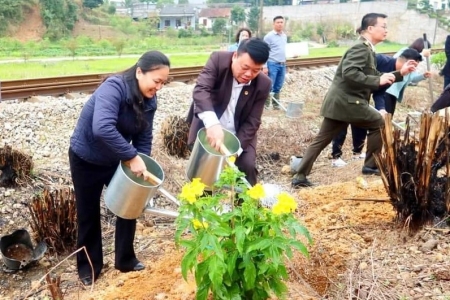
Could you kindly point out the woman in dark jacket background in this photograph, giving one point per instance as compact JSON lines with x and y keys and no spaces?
{"x":115,"y":124}
{"x":446,"y":70}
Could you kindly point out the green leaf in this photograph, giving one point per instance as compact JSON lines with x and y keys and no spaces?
{"x":201,"y":271}
{"x":188,"y":261}
{"x":221,"y":231}
{"x":203,"y":288}
{"x":240,"y":238}
{"x":300,"y":247}
{"x":249,"y":275}
{"x":188,"y":244}
{"x":300,"y":229}
{"x":278,"y":287}
{"x":231,"y":264}
{"x":259,"y":244}
{"x":216,"y":270}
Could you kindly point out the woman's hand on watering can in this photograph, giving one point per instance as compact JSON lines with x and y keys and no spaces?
{"x":137,"y":165}
{"x":214,"y":135}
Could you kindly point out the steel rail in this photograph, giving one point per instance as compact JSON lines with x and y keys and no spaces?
{"x":52,"y":86}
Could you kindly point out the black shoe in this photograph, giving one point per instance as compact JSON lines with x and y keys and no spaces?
{"x":86,"y":281}
{"x":138,"y":267}
{"x":301,"y":183}
{"x":370,"y":171}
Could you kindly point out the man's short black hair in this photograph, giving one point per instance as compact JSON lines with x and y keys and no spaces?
{"x":277,"y":18}
{"x":411,"y":54}
{"x":257,"y":49}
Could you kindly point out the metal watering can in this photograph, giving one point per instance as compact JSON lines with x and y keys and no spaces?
{"x":128,"y":195}
{"x":293,"y":110}
{"x":207,"y":163}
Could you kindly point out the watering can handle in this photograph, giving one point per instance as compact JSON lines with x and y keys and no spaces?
{"x":224,"y":150}
{"x":149,"y":176}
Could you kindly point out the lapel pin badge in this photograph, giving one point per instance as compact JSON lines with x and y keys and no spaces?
{"x":246,"y":93}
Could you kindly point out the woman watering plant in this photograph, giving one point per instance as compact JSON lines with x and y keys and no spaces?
{"x":115,"y":124}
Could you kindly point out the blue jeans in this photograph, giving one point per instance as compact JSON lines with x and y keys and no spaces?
{"x":277,"y":72}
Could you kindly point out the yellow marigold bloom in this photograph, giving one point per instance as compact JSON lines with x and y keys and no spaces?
{"x":285,"y":204}
{"x":287,"y":200}
{"x":199,"y":225}
{"x":256,"y":192}
{"x":187,"y":194}
{"x":232,"y":159}
{"x":197,"y":186}
{"x":192,"y":190}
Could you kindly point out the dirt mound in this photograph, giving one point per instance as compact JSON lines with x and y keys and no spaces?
{"x":32,"y":28}
{"x":96,"y":32}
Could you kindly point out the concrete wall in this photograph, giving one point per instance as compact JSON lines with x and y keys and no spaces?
{"x":404,"y":26}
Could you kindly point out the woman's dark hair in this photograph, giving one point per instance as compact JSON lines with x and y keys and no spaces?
{"x":238,"y":34}
{"x":419,"y":45}
{"x":369,"y":20}
{"x":257,"y":49}
{"x":149,"y":61}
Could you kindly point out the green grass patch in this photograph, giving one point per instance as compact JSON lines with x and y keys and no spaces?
{"x":22,"y":70}
{"x":30,"y":69}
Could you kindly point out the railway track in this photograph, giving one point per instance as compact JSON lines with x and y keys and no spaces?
{"x":53,"y":86}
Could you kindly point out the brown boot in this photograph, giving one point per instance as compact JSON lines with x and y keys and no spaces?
{"x":276,"y":106}
{"x":268,"y":101}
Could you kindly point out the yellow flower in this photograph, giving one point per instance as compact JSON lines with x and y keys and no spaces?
{"x":197,"y":186}
{"x":256,"y":192}
{"x":232,"y":159}
{"x":192,"y":190}
{"x":285,"y":204}
{"x":198,"y":224}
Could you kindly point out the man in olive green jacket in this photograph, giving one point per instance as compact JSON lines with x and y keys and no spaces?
{"x":347,"y":100}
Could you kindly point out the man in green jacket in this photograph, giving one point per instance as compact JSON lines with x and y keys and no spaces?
{"x":347,"y":100}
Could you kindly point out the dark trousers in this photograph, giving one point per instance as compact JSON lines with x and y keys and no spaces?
{"x":358,"y":135}
{"x":331,"y":128}
{"x":88,"y":181}
{"x":390,"y":102}
{"x":446,"y":80}
{"x":246,"y":162}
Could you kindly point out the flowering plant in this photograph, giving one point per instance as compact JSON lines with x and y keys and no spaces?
{"x":239,"y":251}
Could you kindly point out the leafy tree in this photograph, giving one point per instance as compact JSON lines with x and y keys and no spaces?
{"x":321,"y":30}
{"x":104,"y":44}
{"x":237,"y":15}
{"x":119,"y":45}
{"x":92,"y":3}
{"x":59,"y":17}
{"x":253,"y":19}
{"x":11,"y":12}
{"x":111,"y":9}
{"x":72,"y":46}
{"x":125,"y":25}
{"x":219,"y":26}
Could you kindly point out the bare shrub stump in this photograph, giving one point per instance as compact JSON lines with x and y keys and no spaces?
{"x":174,"y":132}
{"x":54,"y":219}
{"x":15,"y":167}
{"x":415,"y":169}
